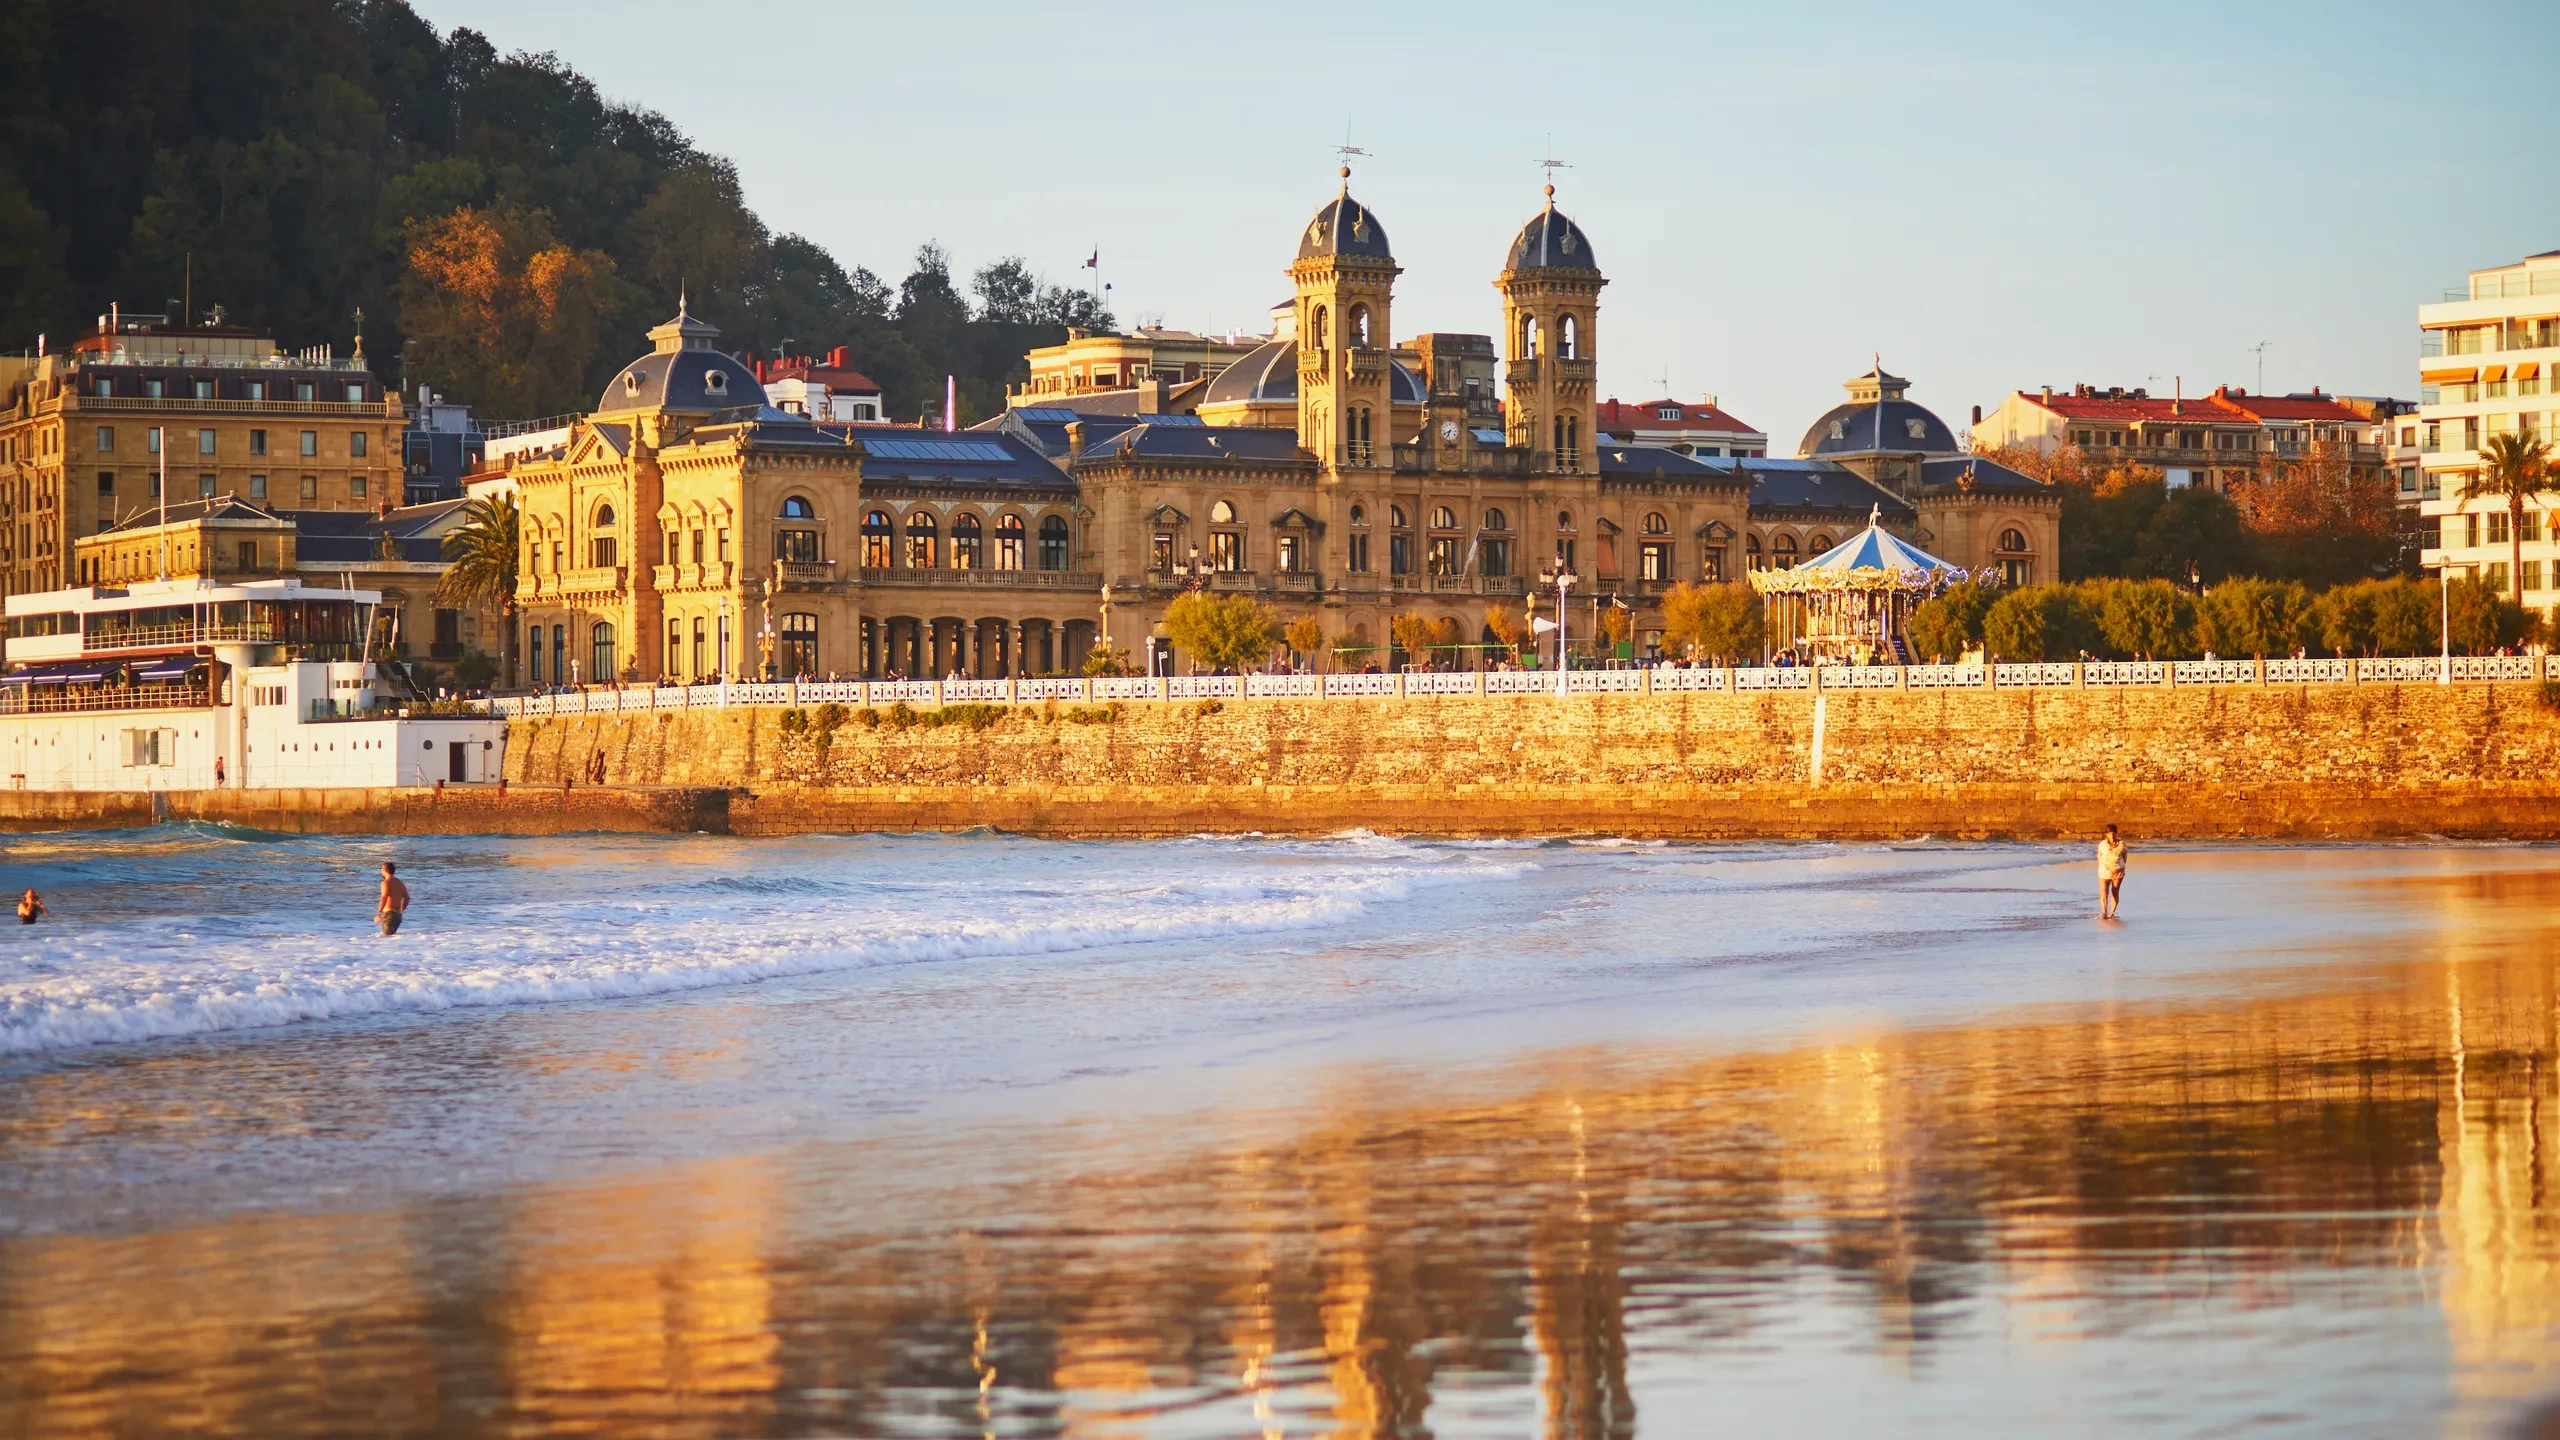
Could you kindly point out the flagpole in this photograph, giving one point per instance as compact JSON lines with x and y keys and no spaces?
{"x":164,"y":502}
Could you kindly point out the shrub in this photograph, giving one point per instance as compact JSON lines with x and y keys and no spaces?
{"x":2145,"y":619}
{"x":474,"y":671}
{"x":1208,"y":707}
{"x":1106,"y":660}
{"x":1094,"y":714}
{"x":2345,"y":617}
{"x":2041,"y":622}
{"x":794,"y":721}
{"x":1220,"y":632}
{"x":2253,"y":617}
{"x":1949,"y":623}
{"x":2404,"y":618}
{"x":1725,"y":623}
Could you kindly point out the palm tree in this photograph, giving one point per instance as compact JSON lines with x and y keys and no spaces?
{"x":2515,"y":467}
{"x":480,"y":566}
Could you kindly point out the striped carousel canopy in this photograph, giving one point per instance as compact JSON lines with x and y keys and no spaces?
{"x":1873,"y":559}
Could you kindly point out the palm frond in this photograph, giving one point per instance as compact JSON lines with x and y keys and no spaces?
{"x":483,"y":554}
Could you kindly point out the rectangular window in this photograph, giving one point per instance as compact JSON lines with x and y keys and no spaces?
{"x":701,"y":647}
{"x":1399,"y":554}
{"x":697,"y":547}
{"x":355,"y":486}
{"x":2408,"y":479}
{"x":2532,"y":527}
{"x":257,"y":487}
{"x":2470,"y":530}
{"x":102,"y":386}
{"x":674,"y":658}
{"x":2497,"y":527}
{"x":106,"y":439}
{"x":355,"y":443}
{"x":559,"y":555}
{"x":204,"y":389}
{"x":2471,"y":432}
{"x":106,"y":484}
{"x":153,"y":445}
{"x":1711,"y":565}
{"x":204,"y":442}
{"x":1444,"y":555}
{"x":248,"y":554}
{"x":2532,"y":574}
{"x":1287,"y":554}
{"x":724,"y":547}
{"x":204,"y":487}
{"x":1653,"y":560}
{"x":256,"y":389}
{"x":1160,"y":555}
{"x":257,"y":442}
{"x":2497,"y":574}
{"x":1358,"y":559}
{"x":1226,"y":550}
{"x":311,"y":488}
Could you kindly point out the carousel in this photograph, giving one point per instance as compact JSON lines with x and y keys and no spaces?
{"x":1850,"y":604}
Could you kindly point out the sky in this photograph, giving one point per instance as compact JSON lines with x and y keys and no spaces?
{"x":1992,"y":197}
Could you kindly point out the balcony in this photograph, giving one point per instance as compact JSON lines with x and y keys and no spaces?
{"x":144,"y":405}
{"x":807,"y":574}
{"x":1572,"y":370}
{"x":1522,"y":375}
{"x":166,"y":637}
{"x":594,"y":580}
{"x":716,"y":574}
{"x":985,"y":579}
{"x":1298,"y":582}
{"x":1232,"y":580}
{"x":1367,"y":364}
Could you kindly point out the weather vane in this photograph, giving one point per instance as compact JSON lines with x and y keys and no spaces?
{"x":1346,"y":149}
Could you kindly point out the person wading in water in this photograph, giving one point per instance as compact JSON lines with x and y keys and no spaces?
{"x":395,"y":900}
{"x":30,"y":906}
{"x":2111,"y":852}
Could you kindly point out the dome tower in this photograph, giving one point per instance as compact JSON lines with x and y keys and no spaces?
{"x":1550,"y":303}
{"x":1345,"y":276}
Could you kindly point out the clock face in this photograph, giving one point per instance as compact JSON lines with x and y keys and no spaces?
{"x":1449,"y":430}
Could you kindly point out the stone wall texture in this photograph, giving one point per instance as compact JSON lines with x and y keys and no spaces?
{"x":2474,"y":759}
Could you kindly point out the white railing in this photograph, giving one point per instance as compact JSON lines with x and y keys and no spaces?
{"x":1944,"y":677}
{"x":1773,"y":677}
{"x":2397,"y":669}
{"x":2034,"y":673}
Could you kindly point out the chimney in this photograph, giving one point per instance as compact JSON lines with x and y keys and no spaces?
{"x":1977,"y":417}
{"x":1711,"y":402}
{"x":1075,"y":439}
{"x":2048,"y":394}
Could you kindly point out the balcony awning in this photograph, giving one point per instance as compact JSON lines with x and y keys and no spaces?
{"x":2492,"y":374}
{"x":2527,"y":369}
{"x":172,"y":667}
{"x":84,"y":672}
{"x":2463,"y":376}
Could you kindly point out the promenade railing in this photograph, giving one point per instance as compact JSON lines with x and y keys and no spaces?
{"x":2094,"y":674}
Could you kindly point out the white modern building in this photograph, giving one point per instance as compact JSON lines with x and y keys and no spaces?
{"x":2486,"y":354}
{"x":182,"y":685}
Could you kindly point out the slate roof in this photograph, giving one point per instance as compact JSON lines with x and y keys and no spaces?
{"x":1654,"y":460}
{"x":1344,"y":227}
{"x":1987,"y":475}
{"x":971,"y":457}
{"x":354,"y":537}
{"x":1263,"y":443}
{"x":1551,"y":242}
{"x":1269,"y":374}
{"x":1812,"y":485}
{"x":220,"y":507}
{"x":1858,"y":423}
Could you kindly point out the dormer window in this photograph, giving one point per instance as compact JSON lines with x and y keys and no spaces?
{"x":630,"y":382}
{"x":1839,"y":431}
{"x":716,"y":381}
{"x":1916,"y":429}
{"x":1667,"y":412}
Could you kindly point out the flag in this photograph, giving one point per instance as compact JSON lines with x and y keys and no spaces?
{"x":1540,"y":625}
{"x":1094,"y":260}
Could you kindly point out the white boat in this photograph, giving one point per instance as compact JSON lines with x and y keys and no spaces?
{"x":195,"y":684}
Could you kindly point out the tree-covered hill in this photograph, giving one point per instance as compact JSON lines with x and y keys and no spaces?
{"x":506,"y":230}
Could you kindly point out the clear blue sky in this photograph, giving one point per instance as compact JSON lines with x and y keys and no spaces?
{"x":1993,"y":196}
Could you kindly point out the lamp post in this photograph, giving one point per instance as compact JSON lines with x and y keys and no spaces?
{"x":1193,"y":577}
{"x":1106,"y":617}
{"x":1563,"y":578}
{"x":2444,"y":593}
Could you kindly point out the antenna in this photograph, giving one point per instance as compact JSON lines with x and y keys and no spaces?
{"x":1551,"y":165}
{"x":1346,"y":149}
{"x":2261,"y":348}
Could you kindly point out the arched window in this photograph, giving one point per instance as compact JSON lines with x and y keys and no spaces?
{"x":1316,"y":331}
{"x":2013,"y":540}
{"x":965,"y":552}
{"x":1783,"y":552}
{"x":1817,"y":544}
{"x":879,"y":541}
{"x":1358,"y":334}
{"x":1359,"y":515}
{"x":1443,"y":518}
{"x":923,"y":542}
{"x":601,"y":550}
{"x":601,"y":642}
{"x":1222,"y":513}
{"x":1654,"y":524}
{"x":1528,"y":337}
{"x":793,"y":544}
{"x":1053,"y":543}
{"x":1496,"y":520}
{"x":1395,"y":518}
{"x":1751,"y":552}
{"x":1009,"y":542}
{"x":798,"y":507}
{"x":1565,"y":338}
{"x":799,"y":645}
{"x":1564,"y":519}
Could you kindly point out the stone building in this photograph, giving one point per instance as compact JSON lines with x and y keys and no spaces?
{"x":687,"y":529}
{"x":1965,"y":509}
{"x":2225,"y":439}
{"x":82,"y":434}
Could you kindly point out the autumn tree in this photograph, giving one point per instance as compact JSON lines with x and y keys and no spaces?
{"x":504,"y":314}
{"x":1723,"y":623}
{"x":1305,"y":636}
{"x":1504,"y":624}
{"x":2317,"y":519}
{"x":1221,"y":632}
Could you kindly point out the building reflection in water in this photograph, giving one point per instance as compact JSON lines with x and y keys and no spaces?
{"x":2368,"y":1138}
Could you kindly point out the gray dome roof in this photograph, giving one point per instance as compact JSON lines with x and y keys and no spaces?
{"x":1268,"y":374}
{"x":1858,"y":421}
{"x":682,"y":381}
{"x":1344,"y":227}
{"x":1551,"y":242}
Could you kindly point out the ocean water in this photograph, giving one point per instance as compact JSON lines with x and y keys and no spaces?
{"x":979,"y":1135}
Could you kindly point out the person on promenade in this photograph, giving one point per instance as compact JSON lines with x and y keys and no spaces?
{"x":2111,"y":852}
{"x":394,"y":901}
{"x":30,"y":906}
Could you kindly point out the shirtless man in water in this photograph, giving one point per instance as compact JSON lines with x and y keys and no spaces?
{"x":29,"y":907}
{"x":395,"y":899}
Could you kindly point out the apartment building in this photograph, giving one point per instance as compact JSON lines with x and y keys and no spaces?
{"x":86,"y":435}
{"x":1705,"y":428}
{"x":2225,"y":438}
{"x":1148,"y":357}
{"x":2486,"y":353}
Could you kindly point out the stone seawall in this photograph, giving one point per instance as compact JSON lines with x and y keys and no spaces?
{"x":2349,"y":760}
{"x":456,"y":810}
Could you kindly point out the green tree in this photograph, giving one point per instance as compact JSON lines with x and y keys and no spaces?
{"x":482,"y":555}
{"x":2515,"y":470}
{"x":1724,"y":623}
{"x":1949,"y":623}
{"x":2146,"y":619}
{"x":2254,"y":617}
{"x":2484,"y":618}
{"x":2346,"y":616}
{"x":2405,"y":618}
{"x":2197,"y":534}
{"x":1221,"y":632}
{"x":2039,"y":622}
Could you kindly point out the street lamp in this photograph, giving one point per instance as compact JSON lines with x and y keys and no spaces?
{"x":1563,"y":578}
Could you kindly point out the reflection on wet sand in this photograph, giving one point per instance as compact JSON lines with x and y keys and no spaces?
{"x":2213,"y":1177}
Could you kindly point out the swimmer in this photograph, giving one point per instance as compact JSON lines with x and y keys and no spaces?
{"x":29,"y":907}
{"x":395,"y":900}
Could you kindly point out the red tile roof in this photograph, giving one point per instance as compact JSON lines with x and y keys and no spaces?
{"x":2290,"y":407}
{"x":1645,"y":415}
{"x":2225,"y":406}
{"x":838,"y":380}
